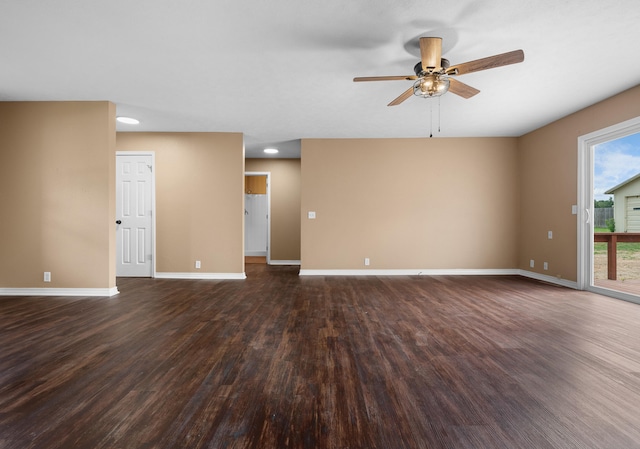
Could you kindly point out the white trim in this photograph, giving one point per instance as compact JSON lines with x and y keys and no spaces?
{"x":585,"y":211}
{"x":549,"y":279}
{"x":586,"y":144}
{"x":268,"y":175}
{"x":255,"y":253}
{"x":153,"y":201}
{"x":59,"y":291}
{"x":167,"y":275}
{"x":615,"y":294}
{"x":284,"y":262}
{"x":444,"y":272}
{"x":412,"y":272}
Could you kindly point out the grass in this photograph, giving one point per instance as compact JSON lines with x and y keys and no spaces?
{"x":624,"y":250}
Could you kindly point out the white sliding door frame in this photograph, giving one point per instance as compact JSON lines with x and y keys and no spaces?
{"x":586,"y":146}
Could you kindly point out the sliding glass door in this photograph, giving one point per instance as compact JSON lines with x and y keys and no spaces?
{"x":609,"y":211}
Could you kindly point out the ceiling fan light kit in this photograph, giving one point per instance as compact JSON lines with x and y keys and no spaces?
{"x":433,"y":74}
{"x":432,"y":85}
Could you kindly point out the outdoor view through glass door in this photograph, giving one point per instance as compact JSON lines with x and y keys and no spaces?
{"x":616,"y":214}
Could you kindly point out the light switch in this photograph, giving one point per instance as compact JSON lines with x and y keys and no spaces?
{"x":311,"y":215}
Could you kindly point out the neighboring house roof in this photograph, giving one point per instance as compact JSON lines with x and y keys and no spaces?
{"x":624,"y":183}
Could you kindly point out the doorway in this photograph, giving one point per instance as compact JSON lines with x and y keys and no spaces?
{"x":257,"y":217}
{"x":135,"y":223}
{"x":590,"y":187}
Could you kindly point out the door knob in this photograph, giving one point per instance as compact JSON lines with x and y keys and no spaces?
{"x":118,"y":222}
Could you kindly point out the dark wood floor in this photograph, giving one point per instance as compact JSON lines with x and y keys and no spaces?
{"x":279,"y":361}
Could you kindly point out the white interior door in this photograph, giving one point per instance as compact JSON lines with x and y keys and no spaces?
{"x":257,"y":220}
{"x":134,"y":211}
{"x":255,"y":224}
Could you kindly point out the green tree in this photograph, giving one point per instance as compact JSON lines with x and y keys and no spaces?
{"x":603,"y":203}
{"x":611,"y":224}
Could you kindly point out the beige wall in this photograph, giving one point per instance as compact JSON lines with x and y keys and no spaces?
{"x":410,"y":203}
{"x":484,"y":203}
{"x":285,"y":205}
{"x":199,"y":199}
{"x":57,"y":194}
{"x":548,"y":183}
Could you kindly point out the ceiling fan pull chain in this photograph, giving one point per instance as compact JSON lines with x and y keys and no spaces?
{"x":438,"y":114}
{"x":430,"y":119}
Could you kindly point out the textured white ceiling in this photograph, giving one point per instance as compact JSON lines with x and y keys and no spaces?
{"x":282,"y":70}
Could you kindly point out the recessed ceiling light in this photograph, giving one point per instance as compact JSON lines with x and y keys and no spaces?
{"x":270,"y":150}
{"x":128,"y":120}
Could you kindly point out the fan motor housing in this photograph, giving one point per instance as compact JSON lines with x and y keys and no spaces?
{"x":444,"y":63}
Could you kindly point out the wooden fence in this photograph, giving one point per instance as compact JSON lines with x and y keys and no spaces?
{"x":601,"y":215}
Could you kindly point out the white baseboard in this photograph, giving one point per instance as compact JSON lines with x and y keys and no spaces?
{"x":549,"y":279}
{"x":255,"y":253}
{"x":444,"y":272}
{"x":222,"y":276}
{"x":59,"y":291}
{"x":411,"y":272}
{"x":185,"y":275}
{"x":284,"y":262}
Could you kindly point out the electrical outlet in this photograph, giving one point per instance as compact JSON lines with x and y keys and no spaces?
{"x":366,"y":261}
{"x":550,"y":235}
{"x":197,"y":264}
{"x":532,"y":263}
{"x":47,"y":276}
{"x":546,"y":266}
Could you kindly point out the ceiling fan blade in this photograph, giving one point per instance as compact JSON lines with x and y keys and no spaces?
{"x":384,"y":78}
{"x":512,"y":57}
{"x":462,"y":89}
{"x":431,"y":53}
{"x":406,"y":94}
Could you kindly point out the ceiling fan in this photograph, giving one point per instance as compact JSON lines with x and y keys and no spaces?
{"x":433,"y":74}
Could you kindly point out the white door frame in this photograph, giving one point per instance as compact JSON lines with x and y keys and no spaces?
{"x":586,"y":144}
{"x":153,"y":201}
{"x":268,"y":175}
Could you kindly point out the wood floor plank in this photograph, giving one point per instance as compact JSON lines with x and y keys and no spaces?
{"x":282,"y":361}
